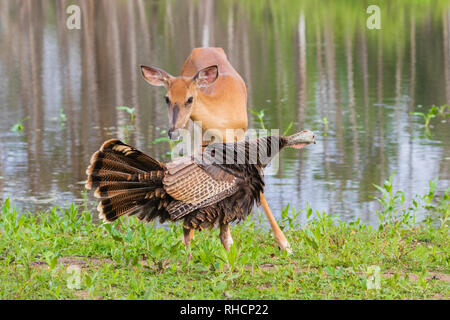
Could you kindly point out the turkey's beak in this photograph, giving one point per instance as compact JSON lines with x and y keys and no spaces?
{"x":301,"y":139}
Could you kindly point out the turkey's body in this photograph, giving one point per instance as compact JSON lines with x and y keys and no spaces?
{"x":203,"y":190}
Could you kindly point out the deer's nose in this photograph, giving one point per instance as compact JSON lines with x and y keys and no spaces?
{"x":173,"y":134}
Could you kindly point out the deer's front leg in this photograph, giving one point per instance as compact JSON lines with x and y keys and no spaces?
{"x":188,"y":235}
{"x":279,"y":236}
{"x":225,"y":236}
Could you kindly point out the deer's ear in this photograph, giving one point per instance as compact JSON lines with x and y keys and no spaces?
{"x":155,"y":76}
{"x":206,"y":76}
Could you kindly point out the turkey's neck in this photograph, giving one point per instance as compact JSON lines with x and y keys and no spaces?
{"x":266,"y":148}
{"x":257,"y":152}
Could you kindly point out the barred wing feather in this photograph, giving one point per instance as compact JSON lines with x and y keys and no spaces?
{"x":194,"y":187}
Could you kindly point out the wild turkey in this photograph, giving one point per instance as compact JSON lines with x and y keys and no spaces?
{"x":218,"y":186}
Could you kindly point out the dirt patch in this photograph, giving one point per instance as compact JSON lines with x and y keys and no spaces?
{"x":85,"y":262}
{"x":84,"y":295}
{"x":414,"y":277}
{"x":267,"y":266}
{"x":432,"y":276}
{"x":38,"y":263}
{"x":82,"y":262}
{"x":264,"y":286}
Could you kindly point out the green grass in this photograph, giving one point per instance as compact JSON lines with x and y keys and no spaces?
{"x":64,"y":254}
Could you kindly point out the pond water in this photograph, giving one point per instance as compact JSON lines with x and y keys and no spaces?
{"x":302,"y":62}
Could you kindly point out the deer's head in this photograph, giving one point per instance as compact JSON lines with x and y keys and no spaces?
{"x":182,"y":93}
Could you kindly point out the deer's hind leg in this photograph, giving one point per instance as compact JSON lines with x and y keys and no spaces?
{"x":188,"y":235}
{"x":279,"y":236}
{"x":225,"y":236}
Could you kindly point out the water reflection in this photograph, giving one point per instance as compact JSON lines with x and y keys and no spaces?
{"x":301,"y":63}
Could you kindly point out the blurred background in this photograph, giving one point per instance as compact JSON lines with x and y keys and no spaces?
{"x":311,"y":62}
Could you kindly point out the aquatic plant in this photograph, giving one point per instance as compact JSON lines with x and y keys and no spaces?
{"x":394,"y":211}
{"x":62,"y":118}
{"x":165,"y":138}
{"x":128,"y":110}
{"x":325,"y":124}
{"x":259,"y":116}
{"x":432,"y":113}
{"x":289,"y":127}
{"x":19,"y":126}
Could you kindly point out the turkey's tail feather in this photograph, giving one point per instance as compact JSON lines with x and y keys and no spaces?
{"x":128,"y":182}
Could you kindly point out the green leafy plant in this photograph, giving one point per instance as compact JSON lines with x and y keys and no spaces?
{"x":207,"y":252}
{"x":128,"y":127}
{"x":62,"y":118}
{"x":427,"y":117}
{"x":232,"y":256}
{"x":390,"y":201}
{"x":289,"y":127}
{"x":444,"y":209}
{"x":289,"y":220}
{"x":52,"y":260}
{"x":128,"y":110}
{"x":164,"y":138}
{"x":432,"y":113}
{"x":259,"y":116}
{"x":89,"y":282}
{"x":19,"y":126}
{"x":442,"y":111}
{"x":325,"y":124}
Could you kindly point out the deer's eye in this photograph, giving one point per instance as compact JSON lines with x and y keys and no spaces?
{"x":190,"y":100}
{"x":167,"y":99}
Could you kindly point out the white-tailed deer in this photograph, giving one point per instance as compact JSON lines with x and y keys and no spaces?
{"x":209,"y":90}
